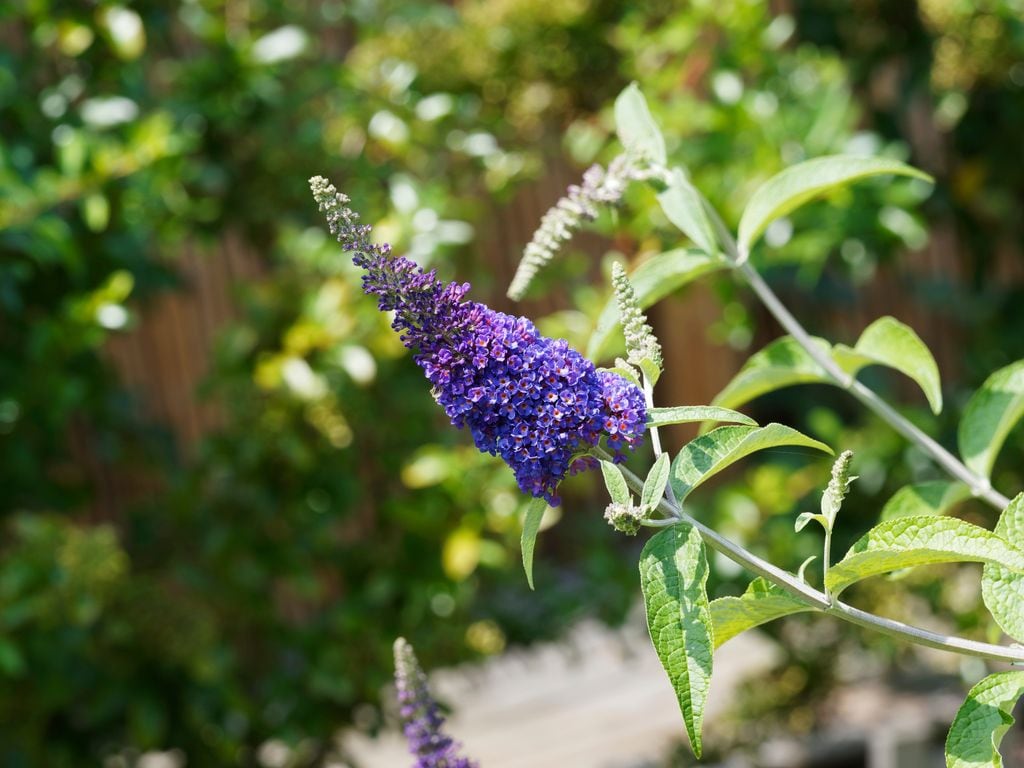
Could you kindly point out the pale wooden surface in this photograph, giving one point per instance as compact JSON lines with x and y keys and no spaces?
{"x":600,"y":699}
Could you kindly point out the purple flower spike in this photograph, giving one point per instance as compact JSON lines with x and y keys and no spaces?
{"x":421,"y":718}
{"x":532,"y":400}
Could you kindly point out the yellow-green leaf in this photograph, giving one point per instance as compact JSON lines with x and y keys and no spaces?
{"x":1003,"y":589}
{"x":684,"y":207}
{"x":712,"y":452}
{"x":688,"y":414}
{"x":907,"y":542}
{"x":635,"y":125}
{"x":783,"y":363}
{"x":788,"y":190}
{"x":761,"y":603}
{"x":889,"y":342}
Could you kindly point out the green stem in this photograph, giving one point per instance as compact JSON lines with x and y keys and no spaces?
{"x":827,"y":552}
{"x":980,"y":486}
{"x":819,"y":600}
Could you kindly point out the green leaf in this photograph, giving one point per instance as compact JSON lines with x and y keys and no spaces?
{"x":1002,"y":589}
{"x":889,"y":342}
{"x":635,"y":126}
{"x":657,"y":479}
{"x":934,"y":497}
{"x":615,"y":483}
{"x":673,"y":576}
{"x":761,"y":603}
{"x":989,"y":416}
{"x":979,"y":725}
{"x":788,"y":190}
{"x":531,"y":524}
{"x":782,"y":363}
{"x":907,"y":542}
{"x":684,"y":207}
{"x":805,"y":517}
{"x":711,"y":453}
{"x":687,"y":414}
{"x":652,"y":281}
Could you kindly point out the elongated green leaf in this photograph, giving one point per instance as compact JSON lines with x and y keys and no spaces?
{"x":907,"y":542}
{"x":788,"y":190}
{"x":673,"y":576}
{"x":979,"y":726}
{"x":652,"y":281}
{"x":990,"y":415}
{"x":761,"y":603}
{"x":684,"y":207}
{"x":782,"y":363}
{"x":934,"y":497}
{"x":657,"y":479}
{"x":636,"y":127}
{"x":1002,"y":589}
{"x":711,"y":453}
{"x":615,"y":483}
{"x":688,"y":414}
{"x":531,"y":524}
{"x":889,"y":342}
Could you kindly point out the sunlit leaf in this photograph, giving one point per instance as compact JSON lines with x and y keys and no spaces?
{"x":761,"y":603}
{"x":635,"y":125}
{"x":684,"y":207}
{"x":615,"y":483}
{"x":979,"y":725}
{"x":889,"y":342}
{"x":688,"y":414}
{"x":711,"y":453}
{"x":788,"y":190}
{"x":657,"y":479}
{"x":907,"y":542}
{"x":1001,"y":588}
{"x":783,"y":363}
{"x":673,"y":577}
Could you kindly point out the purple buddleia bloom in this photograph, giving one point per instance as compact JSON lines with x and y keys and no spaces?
{"x":532,"y":400}
{"x":421,"y":718}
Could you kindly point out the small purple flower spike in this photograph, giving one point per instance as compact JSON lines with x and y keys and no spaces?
{"x":532,"y":400}
{"x":421,"y":718}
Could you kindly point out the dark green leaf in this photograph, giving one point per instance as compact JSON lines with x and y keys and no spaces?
{"x":989,"y":416}
{"x":531,"y":524}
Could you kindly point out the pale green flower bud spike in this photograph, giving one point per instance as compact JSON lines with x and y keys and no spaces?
{"x":831,"y":502}
{"x":642,"y":347}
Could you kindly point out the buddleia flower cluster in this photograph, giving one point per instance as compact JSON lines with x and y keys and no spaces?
{"x":600,"y":186}
{"x":421,"y":718}
{"x":641,"y":343}
{"x":532,"y":400}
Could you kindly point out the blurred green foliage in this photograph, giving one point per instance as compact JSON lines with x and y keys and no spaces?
{"x":254,"y":593}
